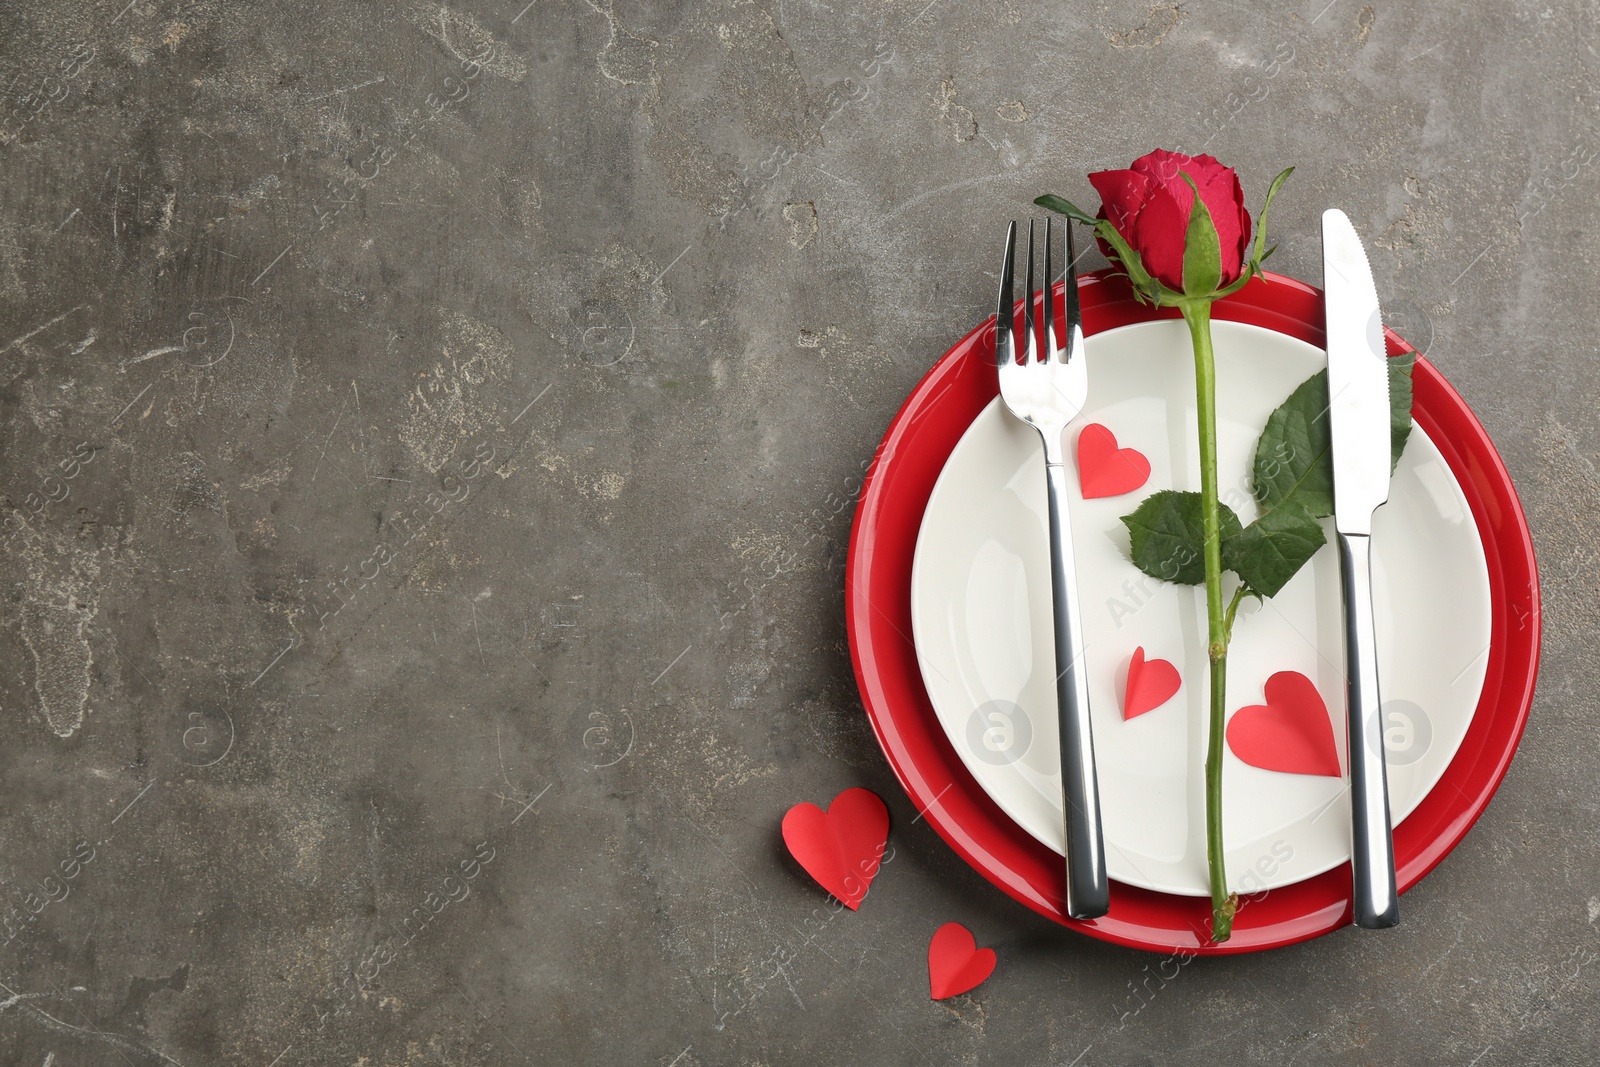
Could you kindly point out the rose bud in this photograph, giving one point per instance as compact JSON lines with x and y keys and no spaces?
{"x":1149,"y":205}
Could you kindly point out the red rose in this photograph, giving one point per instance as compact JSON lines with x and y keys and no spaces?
{"x":1149,"y":205}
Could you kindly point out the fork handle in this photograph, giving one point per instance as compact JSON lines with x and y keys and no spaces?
{"x":1088,"y":893}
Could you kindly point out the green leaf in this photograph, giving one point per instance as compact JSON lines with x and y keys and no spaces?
{"x":1167,"y":536}
{"x":1400,"y":368}
{"x":1060,"y":204}
{"x":1294,"y":453}
{"x":1271,"y":550}
{"x":1261,"y":221}
{"x":1294,"y":457}
{"x":1202,"y":249}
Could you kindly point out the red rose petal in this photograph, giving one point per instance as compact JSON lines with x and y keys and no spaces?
{"x":1123,"y":194}
{"x":1162,"y":229}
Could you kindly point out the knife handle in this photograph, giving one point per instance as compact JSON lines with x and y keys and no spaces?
{"x":1088,"y":893}
{"x":1373,"y":898}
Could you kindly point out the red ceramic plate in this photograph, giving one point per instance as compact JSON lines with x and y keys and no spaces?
{"x":878,"y":613}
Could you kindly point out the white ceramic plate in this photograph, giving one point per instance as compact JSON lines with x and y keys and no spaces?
{"x":980,"y":602}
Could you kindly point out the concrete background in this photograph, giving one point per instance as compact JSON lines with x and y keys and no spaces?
{"x":395,"y":452}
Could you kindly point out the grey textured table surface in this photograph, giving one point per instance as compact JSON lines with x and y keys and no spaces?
{"x":422,"y":472}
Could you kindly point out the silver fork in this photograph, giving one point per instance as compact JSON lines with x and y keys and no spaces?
{"x":1047,"y":391}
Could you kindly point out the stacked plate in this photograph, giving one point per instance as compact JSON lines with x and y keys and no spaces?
{"x":948,"y":602}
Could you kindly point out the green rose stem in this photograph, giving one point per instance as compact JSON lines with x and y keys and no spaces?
{"x":1197,"y":314}
{"x":1203,"y":283}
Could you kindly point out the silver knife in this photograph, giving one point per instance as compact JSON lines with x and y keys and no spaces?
{"x":1358,"y":423}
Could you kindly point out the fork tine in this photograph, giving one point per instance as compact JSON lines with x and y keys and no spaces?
{"x":1072,"y":317}
{"x":1004,"y":321}
{"x":1052,"y":343}
{"x":1027,"y":305}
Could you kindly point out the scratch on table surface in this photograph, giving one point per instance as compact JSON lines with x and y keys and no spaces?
{"x":19,"y":998}
{"x":940,"y":191}
{"x":1454,"y":944}
{"x":327,"y":441}
{"x":153,"y":353}
{"x":361,"y":433}
{"x":37,"y":330}
{"x":347,"y":89}
{"x":51,"y":1022}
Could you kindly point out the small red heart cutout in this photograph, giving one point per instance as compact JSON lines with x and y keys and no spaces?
{"x":1103,"y":468}
{"x":842,"y":847}
{"x":956,"y":963}
{"x":1291,"y":732}
{"x":1151,"y":683}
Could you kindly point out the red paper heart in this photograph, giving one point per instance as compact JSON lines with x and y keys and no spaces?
{"x":1290,"y":732}
{"x":1151,"y":683}
{"x":1103,"y":468}
{"x":956,"y":963}
{"x":841,"y":847}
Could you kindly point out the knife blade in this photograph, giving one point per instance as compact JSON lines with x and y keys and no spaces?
{"x":1358,"y":378}
{"x":1358,"y":427}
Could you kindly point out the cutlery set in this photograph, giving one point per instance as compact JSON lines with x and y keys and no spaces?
{"x":1048,"y":388}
